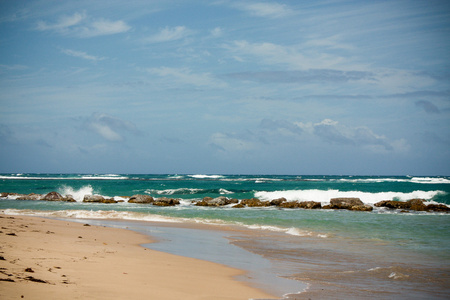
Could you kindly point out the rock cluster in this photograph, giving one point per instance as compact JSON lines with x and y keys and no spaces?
{"x":52,"y":196}
{"x":413,"y":204}
{"x":354,"y":204}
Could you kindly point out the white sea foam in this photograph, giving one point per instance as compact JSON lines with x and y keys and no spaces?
{"x":424,"y":180}
{"x":79,"y":194}
{"x":430,"y":180}
{"x":75,"y":177}
{"x":103,"y":177}
{"x":200,"y":176}
{"x":224,"y":192}
{"x":90,"y":214}
{"x":173,"y":191}
{"x":324,"y":196}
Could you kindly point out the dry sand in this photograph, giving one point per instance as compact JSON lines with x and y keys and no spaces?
{"x":51,"y":259}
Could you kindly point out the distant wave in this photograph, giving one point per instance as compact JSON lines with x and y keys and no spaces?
{"x":65,"y":177}
{"x":430,"y":180}
{"x":425,"y":180}
{"x":200,"y":176}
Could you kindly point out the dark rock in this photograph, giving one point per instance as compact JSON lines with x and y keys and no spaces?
{"x":142,"y":199}
{"x":53,"y":196}
{"x":166,"y":201}
{"x":290,"y":204}
{"x":278,"y":201}
{"x":219,"y":201}
{"x":233,"y":201}
{"x":310,"y":205}
{"x":345,"y":203}
{"x":438,"y":207}
{"x":69,"y":198}
{"x":98,"y":199}
{"x":417,"y":204}
{"x":255,"y":202}
{"x":30,"y":270}
{"x":364,"y":207}
{"x":393,"y":204}
{"x":239,"y":205}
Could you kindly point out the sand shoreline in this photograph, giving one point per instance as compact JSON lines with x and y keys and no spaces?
{"x":52,"y":259}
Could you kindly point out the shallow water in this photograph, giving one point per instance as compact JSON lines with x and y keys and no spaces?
{"x":285,"y":265}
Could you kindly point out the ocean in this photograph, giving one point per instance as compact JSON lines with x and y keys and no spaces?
{"x":296,"y":253}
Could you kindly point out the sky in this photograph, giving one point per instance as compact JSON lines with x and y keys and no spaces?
{"x":225,"y":87}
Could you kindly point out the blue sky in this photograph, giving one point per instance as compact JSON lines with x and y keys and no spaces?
{"x":241,"y":87}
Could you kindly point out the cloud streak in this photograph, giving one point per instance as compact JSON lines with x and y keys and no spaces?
{"x":312,"y":75}
{"x":169,"y":34}
{"x":81,"y":54}
{"x":186,"y":76}
{"x":83,"y":26}
{"x":265,"y":9}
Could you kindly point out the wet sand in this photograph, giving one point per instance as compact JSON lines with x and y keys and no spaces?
{"x":52,"y":259}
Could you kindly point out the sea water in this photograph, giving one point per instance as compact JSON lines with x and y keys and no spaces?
{"x":385,"y":253}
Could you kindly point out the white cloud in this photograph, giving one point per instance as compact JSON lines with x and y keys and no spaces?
{"x":109,"y":127}
{"x":104,"y":27}
{"x":81,"y":54}
{"x":332,"y":42}
{"x":217,"y":32}
{"x":80,"y":25}
{"x":185,"y":76}
{"x":168,"y":34}
{"x":265,"y":9}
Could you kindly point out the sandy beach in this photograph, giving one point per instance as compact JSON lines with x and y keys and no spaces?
{"x":51,"y":259}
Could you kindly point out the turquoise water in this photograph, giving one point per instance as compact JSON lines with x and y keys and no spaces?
{"x":283,"y":235}
{"x":422,"y":231}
